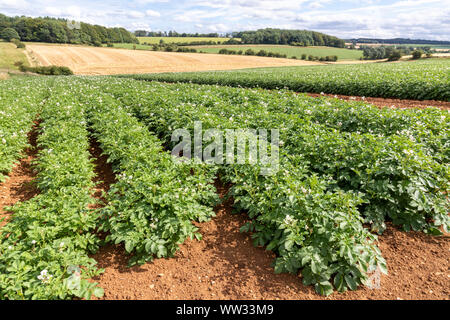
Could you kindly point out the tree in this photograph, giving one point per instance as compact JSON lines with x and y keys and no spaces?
{"x":296,"y":37}
{"x":9,"y":33}
{"x":249,"y":52}
{"x":396,"y":55}
{"x":262,"y":53}
{"x":417,"y":54}
{"x":57,"y":31}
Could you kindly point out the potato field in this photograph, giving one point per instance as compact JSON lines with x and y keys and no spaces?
{"x":345,"y":170}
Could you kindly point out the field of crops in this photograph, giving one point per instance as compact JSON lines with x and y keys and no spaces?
{"x":420,"y":80}
{"x":345,"y":169}
{"x":289,"y":51}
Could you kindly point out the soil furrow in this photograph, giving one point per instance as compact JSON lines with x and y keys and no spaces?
{"x":390,"y":103}
{"x":19,"y":186}
{"x":104,"y":175}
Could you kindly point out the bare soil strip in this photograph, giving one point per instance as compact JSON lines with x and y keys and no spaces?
{"x":390,"y":103}
{"x":225,"y":265}
{"x":19,"y":185}
{"x":108,"y":61}
{"x":104,"y":175}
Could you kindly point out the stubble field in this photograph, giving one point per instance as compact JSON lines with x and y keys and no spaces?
{"x":106,"y":61}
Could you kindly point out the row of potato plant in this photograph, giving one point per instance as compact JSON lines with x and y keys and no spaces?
{"x":44,"y":247}
{"x":430,"y":126}
{"x":420,"y":80}
{"x":19,"y":104}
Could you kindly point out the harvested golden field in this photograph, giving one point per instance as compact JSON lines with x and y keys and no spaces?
{"x":107,"y":61}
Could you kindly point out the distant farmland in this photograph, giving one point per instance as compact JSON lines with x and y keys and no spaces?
{"x":290,"y":51}
{"x":155,"y":40}
{"x":105,"y":61}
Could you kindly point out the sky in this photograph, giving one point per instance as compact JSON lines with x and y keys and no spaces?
{"x":418,"y":19}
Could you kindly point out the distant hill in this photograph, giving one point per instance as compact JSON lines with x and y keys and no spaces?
{"x":292,"y":37}
{"x":399,"y":41}
{"x":53,"y":30}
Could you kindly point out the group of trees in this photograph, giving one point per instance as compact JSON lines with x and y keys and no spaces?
{"x":53,"y":30}
{"x":399,"y":41}
{"x":171,"y":47}
{"x":392,"y":52}
{"x":380,"y":52}
{"x":188,"y":43}
{"x":264,"y":53}
{"x":143,"y":33}
{"x":251,"y":52}
{"x":297,"y":37}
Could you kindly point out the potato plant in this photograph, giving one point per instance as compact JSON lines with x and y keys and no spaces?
{"x":309,"y":228}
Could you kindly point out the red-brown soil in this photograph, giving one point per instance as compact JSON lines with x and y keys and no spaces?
{"x":104,"y":175}
{"x":19,"y":185}
{"x":225,"y":265}
{"x":390,"y":103}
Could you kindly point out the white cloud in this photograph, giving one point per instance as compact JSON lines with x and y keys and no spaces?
{"x":152,"y":13}
{"x":135,"y":14}
{"x":142,"y":2}
{"x":53,"y":11}
{"x":13,"y":4}
{"x":345,"y":18}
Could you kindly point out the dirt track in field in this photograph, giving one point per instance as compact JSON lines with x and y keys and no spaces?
{"x":107,"y":61}
{"x":390,"y":103}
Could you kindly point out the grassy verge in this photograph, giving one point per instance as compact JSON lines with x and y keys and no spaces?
{"x":9,"y":54}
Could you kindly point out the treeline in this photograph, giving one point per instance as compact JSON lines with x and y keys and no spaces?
{"x":172,"y":47}
{"x":189,"y":43}
{"x":143,"y":33}
{"x":381,"y":52}
{"x":399,"y":41}
{"x":393,"y":53}
{"x":264,"y":53}
{"x":297,"y":37}
{"x":45,"y":70}
{"x":53,"y":30}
